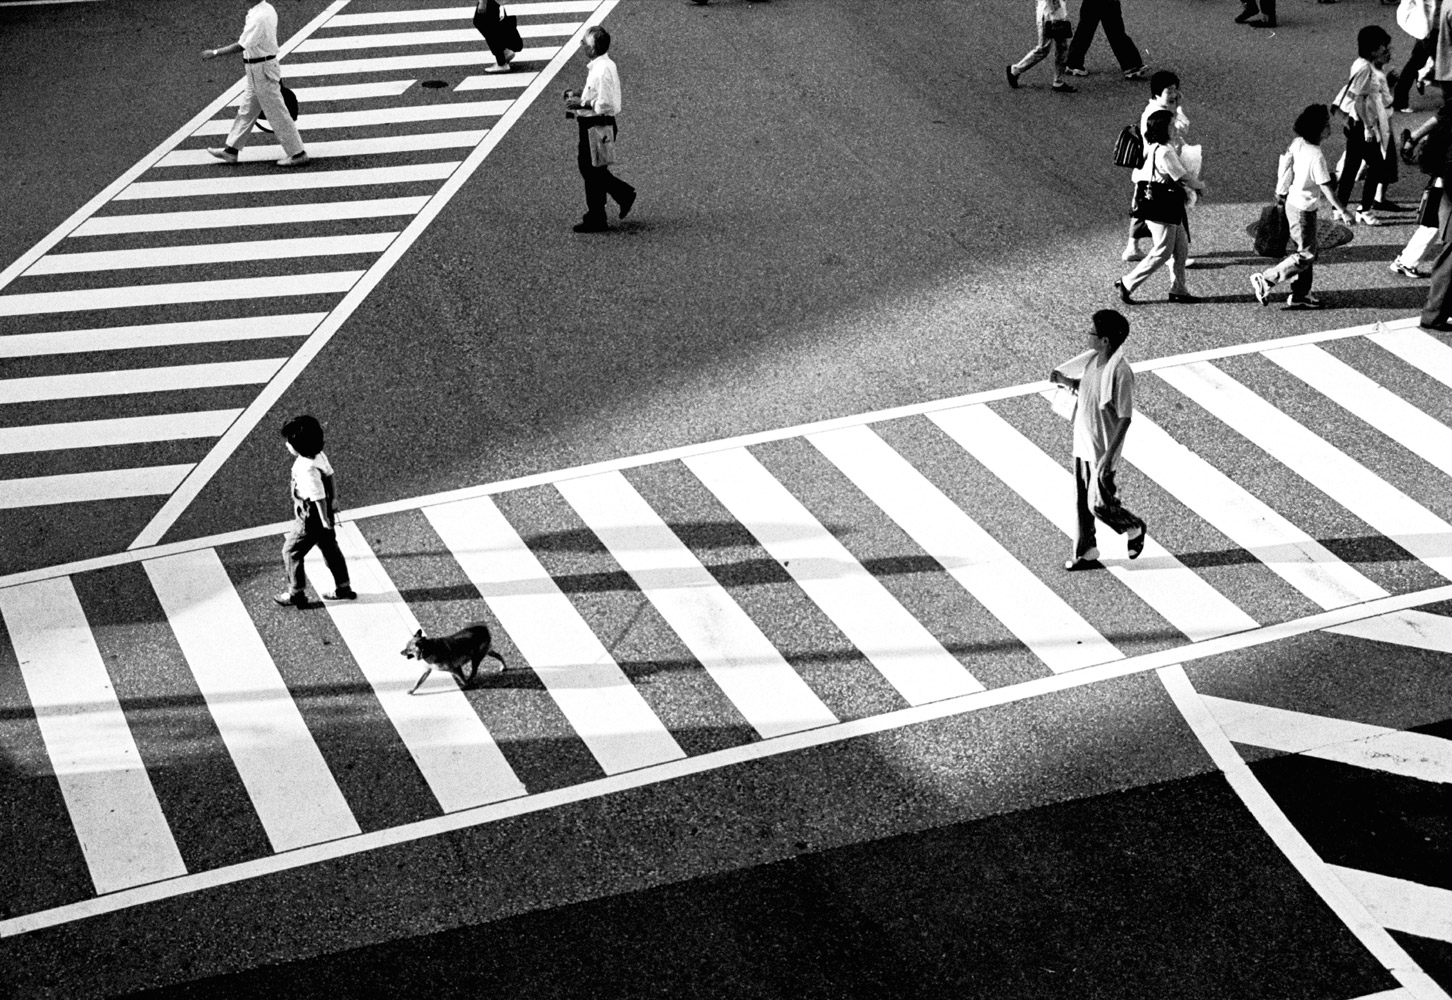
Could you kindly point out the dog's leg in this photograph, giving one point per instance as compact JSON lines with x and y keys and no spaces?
{"x":421,"y":680}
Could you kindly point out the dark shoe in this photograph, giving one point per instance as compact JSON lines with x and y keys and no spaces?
{"x":627,"y":204}
{"x":1389,"y":206}
{"x":1012,"y":77}
{"x":1136,"y":544}
{"x":1183,"y":297}
{"x":591,"y":227}
{"x":341,"y":594}
{"x":1441,"y":326}
{"x":1063,"y":88}
{"x":1262,"y":23}
{"x":1123,"y":293}
{"x":287,"y":600}
{"x":1079,"y":565}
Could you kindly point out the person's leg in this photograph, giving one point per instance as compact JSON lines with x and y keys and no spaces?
{"x":1112,"y":512}
{"x":1346,"y":180}
{"x":1268,"y":13}
{"x":1434,"y":312}
{"x":1161,"y":250}
{"x":1061,"y":62}
{"x":1402,"y":92}
{"x":269,"y":95}
{"x":295,"y":546}
{"x":1089,"y":13}
{"x":594,"y":182}
{"x":1307,"y":249}
{"x":1248,"y":9}
{"x":1034,"y":55}
{"x":1126,"y":53}
{"x":247,"y":113}
{"x":1376,"y":171}
{"x":1416,"y":247}
{"x":327,"y":543}
{"x":1179,"y":253}
{"x":1085,"y":545}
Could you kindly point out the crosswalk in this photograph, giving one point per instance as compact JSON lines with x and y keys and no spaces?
{"x":188,"y":281}
{"x":684,"y":547}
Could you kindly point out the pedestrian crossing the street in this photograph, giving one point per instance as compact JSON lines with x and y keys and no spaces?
{"x":188,"y":279}
{"x":692,"y":608}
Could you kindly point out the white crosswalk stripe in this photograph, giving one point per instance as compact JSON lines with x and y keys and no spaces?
{"x":555,"y":638}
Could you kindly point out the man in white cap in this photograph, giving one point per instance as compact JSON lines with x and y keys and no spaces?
{"x":258,"y":45}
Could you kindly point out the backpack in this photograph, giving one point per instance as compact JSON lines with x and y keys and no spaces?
{"x":1129,"y":147}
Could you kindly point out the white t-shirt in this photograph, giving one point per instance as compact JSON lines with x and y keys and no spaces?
{"x":307,"y":477}
{"x":602,"y":86}
{"x":1093,"y":427}
{"x":259,"y":34}
{"x":1308,"y":172}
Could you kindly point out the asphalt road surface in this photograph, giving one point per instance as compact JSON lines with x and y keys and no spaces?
{"x":799,"y":702}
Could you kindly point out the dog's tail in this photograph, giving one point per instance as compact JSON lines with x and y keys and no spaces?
{"x":502,"y":664}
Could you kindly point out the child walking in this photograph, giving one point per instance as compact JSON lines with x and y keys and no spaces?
{"x":312,"y":504}
{"x":1054,"y":29}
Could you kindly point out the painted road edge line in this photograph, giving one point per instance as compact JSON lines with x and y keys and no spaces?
{"x":670,"y":770}
{"x":1288,"y":839}
{"x":208,"y":467}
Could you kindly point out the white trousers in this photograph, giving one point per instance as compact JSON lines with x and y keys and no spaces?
{"x":264,"y":93}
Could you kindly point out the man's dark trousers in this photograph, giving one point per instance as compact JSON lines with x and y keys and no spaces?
{"x":1092,"y":13}
{"x":1435,"y":311}
{"x":1422,"y":50}
{"x":599,"y":181}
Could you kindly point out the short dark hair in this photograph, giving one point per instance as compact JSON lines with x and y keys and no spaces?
{"x":1157,"y":126}
{"x":305,"y":435}
{"x":1112,"y":325}
{"x":1311,"y":123}
{"x":1371,"y":38}
{"x":1161,"y":81}
{"x":602,"y":39}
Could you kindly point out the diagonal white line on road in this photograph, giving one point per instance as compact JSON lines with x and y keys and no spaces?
{"x":1025,"y":605}
{"x":435,"y":60}
{"x":119,"y":338}
{"x":346,"y":92}
{"x":333,"y":148}
{"x":116,"y":431}
{"x":496,"y":81}
{"x":134,"y":296}
{"x":380,"y":116}
{"x":896,"y":643}
{"x":294,"y":793}
{"x":1420,"y":433}
{"x":463,"y":13}
{"x":1413,"y":628}
{"x":1324,"y":466}
{"x":1375,"y":748}
{"x":84,"y":487}
{"x":125,"y":381}
{"x":284,"y":180}
{"x":261,"y":215}
{"x":1240,"y":516}
{"x":447,"y":740}
{"x":732,"y":649}
{"x":123,"y":835}
{"x":448,"y":36}
{"x":1399,"y":904}
{"x":211,"y":253}
{"x":1173,"y":590}
{"x":1420,"y":350}
{"x":599,"y":701}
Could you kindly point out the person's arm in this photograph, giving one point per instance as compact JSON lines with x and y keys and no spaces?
{"x":1173,"y":167}
{"x":1337,"y":208}
{"x":225,"y":50}
{"x":1365,"y":101}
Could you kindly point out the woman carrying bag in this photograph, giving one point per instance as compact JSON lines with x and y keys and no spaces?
{"x":1159,"y":200}
{"x":1310,"y":185}
{"x":500,"y":33}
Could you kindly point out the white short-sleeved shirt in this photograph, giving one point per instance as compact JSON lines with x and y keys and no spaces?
{"x":1052,"y":10}
{"x":307,"y":477}
{"x":1308,"y":172}
{"x":602,"y":86}
{"x":259,"y":34}
{"x":1093,"y":426}
{"x":1361,"y":83}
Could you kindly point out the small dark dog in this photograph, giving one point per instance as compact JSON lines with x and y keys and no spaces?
{"x":460,"y":654}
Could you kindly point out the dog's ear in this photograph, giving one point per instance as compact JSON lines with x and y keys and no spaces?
{"x":419,"y":634}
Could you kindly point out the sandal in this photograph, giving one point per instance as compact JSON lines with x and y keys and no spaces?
{"x":1078,"y":565}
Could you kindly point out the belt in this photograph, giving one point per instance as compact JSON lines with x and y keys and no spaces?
{"x":263,"y":59}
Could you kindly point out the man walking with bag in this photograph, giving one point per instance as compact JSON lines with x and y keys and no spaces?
{"x":258,"y":45}
{"x":595,"y":109}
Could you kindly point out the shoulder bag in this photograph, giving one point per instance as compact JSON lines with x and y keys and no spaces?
{"x":1157,"y":200}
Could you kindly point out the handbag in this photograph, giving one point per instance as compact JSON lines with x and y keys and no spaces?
{"x":1273,"y":231}
{"x":1059,"y":27}
{"x":602,"y":145}
{"x":509,"y":31}
{"x":1157,"y":201}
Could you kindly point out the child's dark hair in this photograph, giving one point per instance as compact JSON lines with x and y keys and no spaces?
{"x":1157,"y":126}
{"x":1311,"y":123}
{"x":1112,"y":325}
{"x":1371,"y":38}
{"x":1162,"y":80}
{"x":305,"y":435}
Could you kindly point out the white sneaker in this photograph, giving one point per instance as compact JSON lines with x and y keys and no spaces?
{"x":1397,"y":267}
{"x":1260,"y":286}
{"x":1366,"y":219}
{"x":1192,"y":261}
{"x":222,"y":153}
{"x":294,"y":161}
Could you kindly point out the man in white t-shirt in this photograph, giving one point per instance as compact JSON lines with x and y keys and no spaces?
{"x":258,"y":45}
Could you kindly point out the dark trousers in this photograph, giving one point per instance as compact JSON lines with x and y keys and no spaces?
{"x":599,"y":181}
{"x":1422,"y":50}
{"x":1093,"y":13}
{"x":304,"y":534}
{"x":1267,"y":7}
{"x":1358,"y":149}
{"x":1098,"y":496}
{"x":1435,"y":310}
